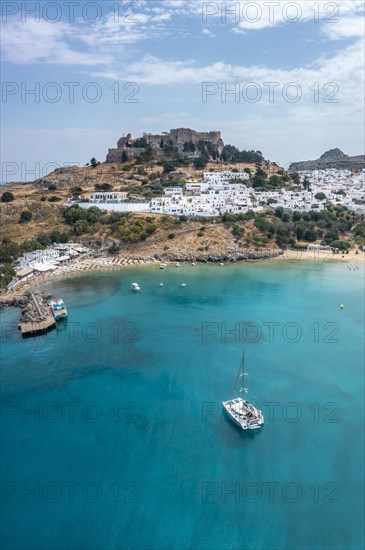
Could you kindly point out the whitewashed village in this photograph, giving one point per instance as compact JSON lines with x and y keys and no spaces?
{"x":216,"y":194}
{"x":225,"y":192}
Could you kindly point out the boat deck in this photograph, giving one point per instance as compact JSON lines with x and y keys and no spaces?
{"x":40,"y":325}
{"x":37,"y":327}
{"x":244,"y":413}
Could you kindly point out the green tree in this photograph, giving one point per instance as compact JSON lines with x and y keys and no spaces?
{"x":103,"y":187}
{"x":7,"y":272}
{"x":114,"y":249}
{"x":260,"y":178}
{"x":200,"y":163}
{"x":76,"y":190}
{"x":295,"y":178}
{"x":286,"y":217}
{"x":168,"y":167}
{"x":44,"y":240}
{"x":282,"y":241}
{"x":189,"y":147}
{"x":9,"y":251}
{"x":306,"y":184}
{"x":279,"y":211}
{"x":94,"y":162}
{"x":320,"y":196}
{"x":310,"y":235}
{"x":140,"y":143}
{"x":81,"y":227}
{"x":275,"y":181}
{"x":331,"y":236}
{"x":340,"y":245}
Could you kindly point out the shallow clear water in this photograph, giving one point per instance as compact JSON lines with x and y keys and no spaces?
{"x":128,"y":447}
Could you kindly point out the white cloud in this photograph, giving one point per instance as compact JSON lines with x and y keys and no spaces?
{"x":42,"y":42}
{"x":345,"y":68}
{"x":257,"y":15}
{"x":207,"y":33}
{"x":347,"y":27}
{"x":78,"y":43}
{"x":103,"y":42}
{"x":154,"y":71}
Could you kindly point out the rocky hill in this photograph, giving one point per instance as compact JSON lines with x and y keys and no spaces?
{"x":334,"y":158}
{"x":35,"y":215}
{"x":44,"y":198}
{"x":185,"y":141}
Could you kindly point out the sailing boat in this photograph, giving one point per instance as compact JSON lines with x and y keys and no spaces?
{"x":240,"y":411}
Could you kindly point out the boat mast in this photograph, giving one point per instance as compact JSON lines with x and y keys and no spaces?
{"x":241,"y":367}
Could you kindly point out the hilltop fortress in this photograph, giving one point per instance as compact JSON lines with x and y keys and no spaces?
{"x":184,"y":140}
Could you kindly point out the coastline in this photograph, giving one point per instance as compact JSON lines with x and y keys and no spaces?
{"x":323,"y":256}
{"x":107,"y":264}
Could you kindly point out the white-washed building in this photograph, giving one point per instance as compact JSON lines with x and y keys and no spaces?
{"x":224,"y":177}
{"x":173,"y":191}
{"x":110,"y":197}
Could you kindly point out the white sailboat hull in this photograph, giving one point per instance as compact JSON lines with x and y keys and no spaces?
{"x":244,"y":414}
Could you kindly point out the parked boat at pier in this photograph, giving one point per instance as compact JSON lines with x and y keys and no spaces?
{"x":59,"y":309}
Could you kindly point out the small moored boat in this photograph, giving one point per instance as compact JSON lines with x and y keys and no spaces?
{"x":240,"y":411}
{"x":59,"y":309}
{"x":136,"y":287}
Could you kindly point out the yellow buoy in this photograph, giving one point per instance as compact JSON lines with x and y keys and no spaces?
{"x":341,"y":306}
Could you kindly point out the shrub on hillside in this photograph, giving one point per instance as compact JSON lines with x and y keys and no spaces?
{"x":25,"y":216}
{"x":7,"y":197}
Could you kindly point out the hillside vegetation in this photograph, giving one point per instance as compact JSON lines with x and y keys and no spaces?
{"x":34,"y":217}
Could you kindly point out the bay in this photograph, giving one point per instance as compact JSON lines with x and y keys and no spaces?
{"x":127,"y":446}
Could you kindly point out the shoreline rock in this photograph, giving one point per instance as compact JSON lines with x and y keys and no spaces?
{"x":216,"y":258}
{"x":24,"y":302}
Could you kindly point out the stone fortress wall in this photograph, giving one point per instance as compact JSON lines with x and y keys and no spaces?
{"x":177,"y":136}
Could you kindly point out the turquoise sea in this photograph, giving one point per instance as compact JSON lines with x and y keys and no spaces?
{"x":112,"y":431}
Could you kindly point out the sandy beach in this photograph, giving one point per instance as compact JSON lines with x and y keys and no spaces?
{"x":326,"y":256}
{"x":77,"y":267}
{"x":116,"y":263}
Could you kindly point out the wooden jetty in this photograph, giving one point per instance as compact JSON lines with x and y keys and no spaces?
{"x":44,"y":323}
{"x":37,"y":327}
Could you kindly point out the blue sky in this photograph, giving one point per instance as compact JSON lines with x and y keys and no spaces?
{"x":166,"y":52}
